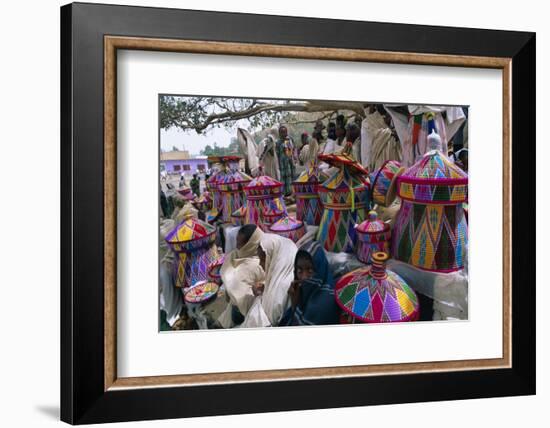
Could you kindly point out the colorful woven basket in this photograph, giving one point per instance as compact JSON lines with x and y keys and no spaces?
{"x":203,"y":202}
{"x":373,"y":236}
{"x":214,"y":270}
{"x":264,"y":202}
{"x":186,"y":193}
{"x":220,"y":165}
{"x":376,"y":295}
{"x":230,"y":184}
{"x":384,"y":183}
{"x":237,"y":218}
{"x":289,"y":227}
{"x":430,"y":230}
{"x":271,"y":215}
{"x":345,"y":198}
{"x":201,"y":292}
{"x":309,"y":207}
{"x":344,"y":160}
{"x":193,"y":242}
{"x":216,"y":206}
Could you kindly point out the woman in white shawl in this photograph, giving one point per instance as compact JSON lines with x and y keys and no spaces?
{"x":276,"y":255}
{"x":240,"y":272}
{"x":378,"y":143}
{"x":249,"y":149}
{"x":309,"y":151}
{"x":268,"y":154}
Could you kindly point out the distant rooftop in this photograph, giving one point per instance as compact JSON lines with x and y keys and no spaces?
{"x":175,"y":155}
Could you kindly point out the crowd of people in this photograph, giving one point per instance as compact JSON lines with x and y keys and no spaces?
{"x":281,"y":157}
{"x":385,"y":132}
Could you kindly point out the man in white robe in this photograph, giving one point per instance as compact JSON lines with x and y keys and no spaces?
{"x":413,"y":128}
{"x":277,"y":259}
{"x":378,"y":143}
{"x":249,"y":149}
{"x":268,"y":154}
{"x":309,"y":151}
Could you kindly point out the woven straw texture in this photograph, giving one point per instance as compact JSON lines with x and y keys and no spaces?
{"x":226,"y":179}
{"x":430,"y":230}
{"x":433,"y":179}
{"x":431,"y":237}
{"x":237,"y":218}
{"x":193,"y":242}
{"x":202,"y":292}
{"x":214,"y":269}
{"x":381,"y":180}
{"x":264,"y":202}
{"x":366,"y":298}
{"x":212,"y":187}
{"x":203,"y":202}
{"x":216,"y":206}
{"x":289,"y":227}
{"x":186,"y":193}
{"x":309,"y":207}
{"x":231,"y":185}
{"x":373,"y":235}
{"x":345,"y":198}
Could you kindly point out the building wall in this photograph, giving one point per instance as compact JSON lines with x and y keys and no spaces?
{"x":187,"y":166}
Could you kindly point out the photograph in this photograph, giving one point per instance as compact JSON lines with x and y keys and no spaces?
{"x":288,"y":212}
{"x":265,"y":211}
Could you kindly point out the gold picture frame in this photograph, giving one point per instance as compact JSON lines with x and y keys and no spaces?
{"x":114,"y":43}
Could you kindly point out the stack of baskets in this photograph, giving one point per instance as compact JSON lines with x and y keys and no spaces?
{"x":345,"y":198}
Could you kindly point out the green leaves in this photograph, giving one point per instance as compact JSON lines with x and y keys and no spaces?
{"x":203,"y":113}
{"x":199,"y":113}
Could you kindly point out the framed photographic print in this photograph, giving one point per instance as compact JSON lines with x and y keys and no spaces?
{"x":266,"y":213}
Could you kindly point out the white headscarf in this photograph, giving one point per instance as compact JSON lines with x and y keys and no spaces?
{"x":240,"y":271}
{"x":279,"y":273}
{"x":249,"y":148}
{"x":268,"y":154}
{"x":274,"y":132}
{"x":309,"y":152}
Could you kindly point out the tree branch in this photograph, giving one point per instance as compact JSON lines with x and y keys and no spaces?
{"x":308,"y":107}
{"x":199,"y":113}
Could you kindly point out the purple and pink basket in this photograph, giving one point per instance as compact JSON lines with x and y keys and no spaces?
{"x":374,"y":294}
{"x":384,"y":183}
{"x":289,"y":227}
{"x":430,"y":230}
{"x":193,"y":242}
{"x":264,"y":202}
{"x":373,"y":235}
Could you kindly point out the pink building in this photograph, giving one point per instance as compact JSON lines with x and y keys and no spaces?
{"x":176,"y":162}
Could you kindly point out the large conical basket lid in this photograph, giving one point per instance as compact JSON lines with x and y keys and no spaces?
{"x":377,"y":295}
{"x":263,"y":185}
{"x":434,"y":178}
{"x":190,"y":234}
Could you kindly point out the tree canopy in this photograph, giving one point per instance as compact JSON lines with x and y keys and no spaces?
{"x":199,"y":113}
{"x":216,"y":150}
